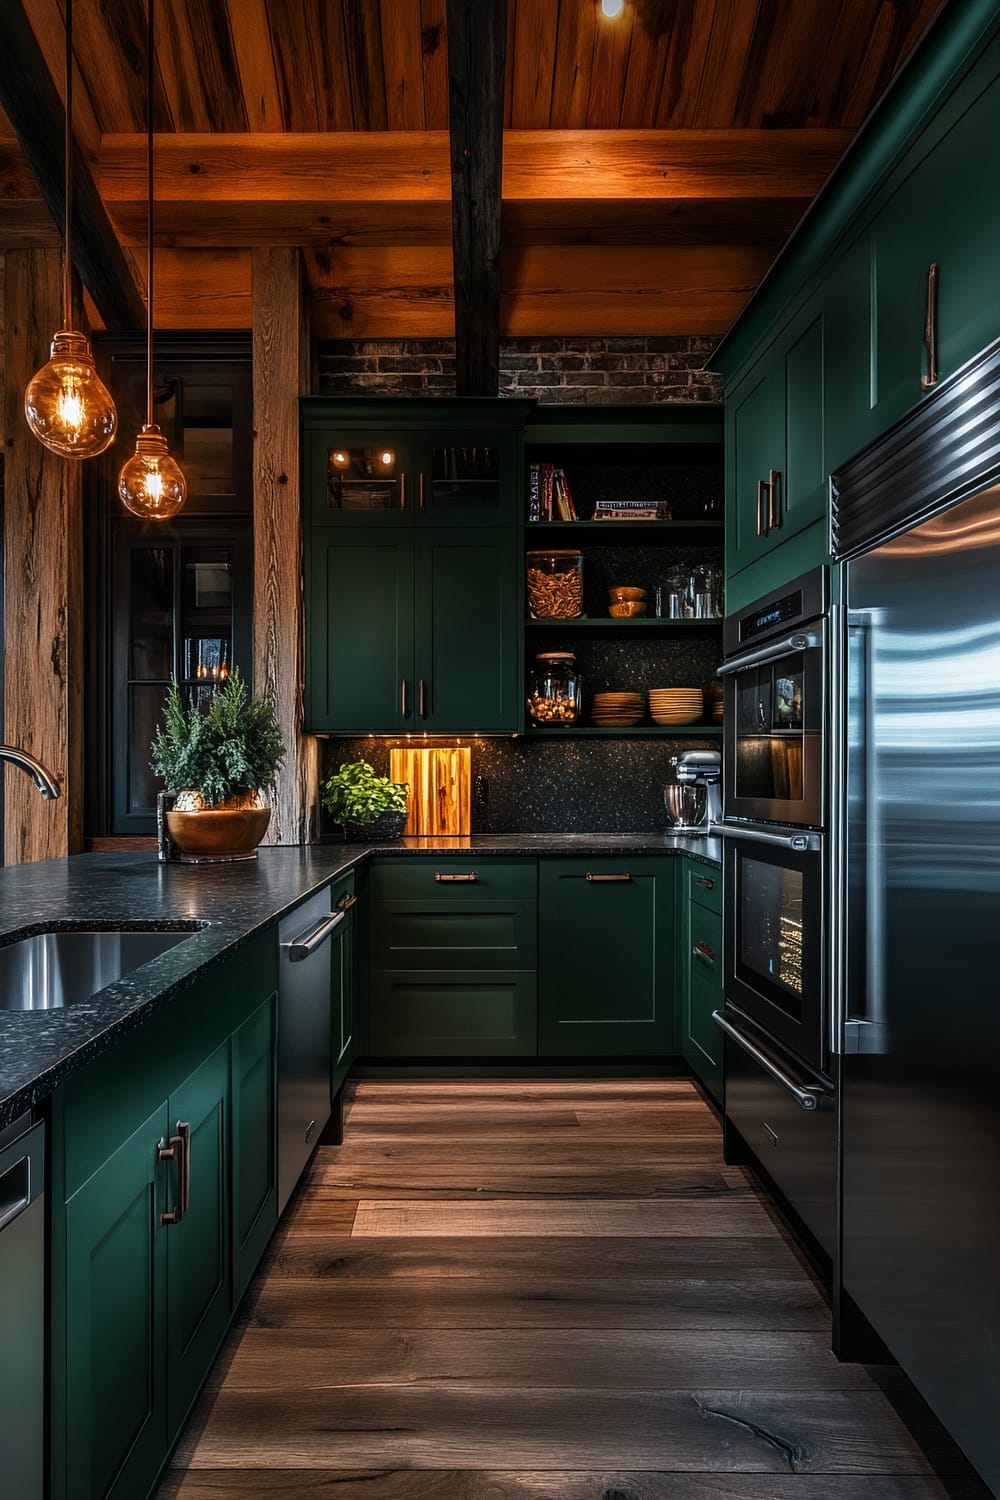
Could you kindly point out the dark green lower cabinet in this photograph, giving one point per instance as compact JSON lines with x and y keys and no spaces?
{"x":115,"y":1414}
{"x":344,"y":982}
{"x":451,"y":1014}
{"x":700,"y":985}
{"x":255,"y":1194}
{"x":606,"y":957}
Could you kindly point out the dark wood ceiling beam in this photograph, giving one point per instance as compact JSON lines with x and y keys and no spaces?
{"x":477,"y":45}
{"x":32,"y":104}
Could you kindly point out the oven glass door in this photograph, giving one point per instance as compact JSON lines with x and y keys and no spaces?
{"x":774,"y":739}
{"x":774,"y":943}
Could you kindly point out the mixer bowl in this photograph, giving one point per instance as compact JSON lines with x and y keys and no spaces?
{"x":686,"y":803}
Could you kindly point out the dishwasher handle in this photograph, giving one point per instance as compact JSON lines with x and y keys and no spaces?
{"x":22,"y":1175}
{"x":304,"y":947}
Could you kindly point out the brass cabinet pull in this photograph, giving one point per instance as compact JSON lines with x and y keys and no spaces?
{"x":402,"y":698}
{"x":184,"y":1166}
{"x":605,"y":878}
{"x":774,"y":500}
{"x":421,"y":489}
{"x":174,"y":1151}
{"x":346,"y":902}
{"x":402,"y":491}
{"x":704,"y":882}
{"x":761,"y":487}
{"x":930,"y":329}
{"x":456,"y":879}
{"x":704,"y":951}
{"x":422,"y":698}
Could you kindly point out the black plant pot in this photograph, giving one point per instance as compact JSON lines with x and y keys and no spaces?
{"x":388,"y":825}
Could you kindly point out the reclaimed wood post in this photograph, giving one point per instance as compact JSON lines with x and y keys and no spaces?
{"x":281,"y":373}
{"x":43,"y":582}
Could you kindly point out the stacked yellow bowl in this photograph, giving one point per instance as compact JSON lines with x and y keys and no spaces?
{"x":617,"y":710}
{"x":681,"y":705}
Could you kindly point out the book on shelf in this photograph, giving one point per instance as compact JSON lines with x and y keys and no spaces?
{"x":549,"y":495}
{"x":632,"y":510}
{"x":562,"y":496}
{"x":534,"y":492}
{"x":547,"y":472}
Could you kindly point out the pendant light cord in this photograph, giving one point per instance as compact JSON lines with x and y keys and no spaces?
{"x":68,"y":195}
{"x":149,"y":212}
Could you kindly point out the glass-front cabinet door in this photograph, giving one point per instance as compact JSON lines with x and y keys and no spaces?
{"x":466,"y":477}
{"x":362,"y":478}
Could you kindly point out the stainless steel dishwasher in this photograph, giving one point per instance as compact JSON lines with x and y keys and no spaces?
{"x":304,"y":1035}
{"x":22,"y":1313}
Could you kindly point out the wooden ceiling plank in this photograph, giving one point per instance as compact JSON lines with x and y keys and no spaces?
{"x":434,"y":50}
{"x":109,"y":39}
{"x":316,"y":222}
{"x":477,"y":46}
{"x":575,"y":41}
{"x":608,"y":70}
{"x":680,"y":96}
{"x":48,"y":25}
{"x":795,"y":60}
{"x":252,"y":45}
{"x":648,"y":63}
{"x":32,"y":104}
{"x":722,"y":80}
{"x":196,"y":57}
{"x":363,"y":39}
{"x":627,"y":221}
{"x":864,"y":64}
{"x":403,"y":65}
{"x":532,"y":62}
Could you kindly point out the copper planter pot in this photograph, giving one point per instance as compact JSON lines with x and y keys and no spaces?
{"x":219,"y":833}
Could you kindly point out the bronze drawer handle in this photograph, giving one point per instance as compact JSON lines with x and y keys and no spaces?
{"x":402,"y":492}
{"x":704,"y":882}
{"x":179,"y":1150}
{"x":346,"y":902}
{"x":930,"y":329}
{"x":402,"y":698}
{"x":421,"y":489}
{"x":761,"y":487}
{"x":604,"y":878}
{"x":704,"y":951}
{"x":456,"y":879}
{"x":422,"y":698}
{"x":774,"y":501}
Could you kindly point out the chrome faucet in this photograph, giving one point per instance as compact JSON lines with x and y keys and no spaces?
{"x":43,"y":780}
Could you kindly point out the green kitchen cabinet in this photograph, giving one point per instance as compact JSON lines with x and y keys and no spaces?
{"x":345,"y":1027}
{"x":115,"y":1420}
{"x":606,"y":957}
{"x":427,"y":1013}
{"x":255,"y":1187}
{"x":198,"y":1290}
{"x":699,"y":922}
{"x":360,"y":476}
{"x":776,"y":477}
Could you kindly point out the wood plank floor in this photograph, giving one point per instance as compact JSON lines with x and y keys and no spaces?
{"x":551,"y":1291}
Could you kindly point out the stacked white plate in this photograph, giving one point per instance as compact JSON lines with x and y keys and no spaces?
{"x":617,"y":710}
{"x":679,"y":705}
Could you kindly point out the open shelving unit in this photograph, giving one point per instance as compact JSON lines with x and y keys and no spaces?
{"x":667,"y":453}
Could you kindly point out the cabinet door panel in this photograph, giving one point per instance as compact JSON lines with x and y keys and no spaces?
{"x":848,"y":391}
{"x":254,"y":1175}
{"x":750,"y":455}
{"x":198,"y":1278}
{"x":606,"y":958}
{"x":467,"y":630}
{"x":360,"y":645}
{"x":799,"y":369}
{"x":443,"y":933}
{"x":468,"y":478}
{"x":427,"y":1014}
{"x":345,"y":1002}
{"x":116,"y":1416}
{"x":361,"y":477}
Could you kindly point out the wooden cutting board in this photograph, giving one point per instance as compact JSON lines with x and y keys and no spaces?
{"x":440,"y":782}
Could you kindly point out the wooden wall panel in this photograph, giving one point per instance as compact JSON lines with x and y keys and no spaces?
{"x":43,"y":603}
{"x":280,"y":376}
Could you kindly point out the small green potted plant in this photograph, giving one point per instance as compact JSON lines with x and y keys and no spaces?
{"x":367,"y":807}
{"x":218,"y":764}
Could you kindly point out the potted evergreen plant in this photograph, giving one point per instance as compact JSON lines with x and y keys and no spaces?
{"x":219,"y":764}
{"x":367,"y":807}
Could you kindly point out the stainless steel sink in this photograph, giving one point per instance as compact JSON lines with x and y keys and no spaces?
{"x":54,"y":969}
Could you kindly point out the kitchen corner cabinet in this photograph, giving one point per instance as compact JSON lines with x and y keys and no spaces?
{"x":413,"y":597}
{"x":606,"y":957}
{"x":776,"y":476}
{"x":699,"y":970}
{"x":163,"y":1190}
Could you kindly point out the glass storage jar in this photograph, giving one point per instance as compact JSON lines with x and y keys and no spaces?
{"x":555,"y":689}
{"x":555,"y":584}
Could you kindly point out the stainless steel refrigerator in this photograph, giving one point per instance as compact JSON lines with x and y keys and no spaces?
{"x":920,"y":1100}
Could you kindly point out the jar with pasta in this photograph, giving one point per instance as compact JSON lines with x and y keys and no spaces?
{"x":555,"y":584}
{"x":555,"y":690}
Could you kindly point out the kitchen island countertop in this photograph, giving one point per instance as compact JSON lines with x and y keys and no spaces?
{"x":224,"y":905}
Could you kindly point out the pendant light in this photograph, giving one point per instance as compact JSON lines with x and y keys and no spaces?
{"x":67,"y":405}
{"x":151,"y":484}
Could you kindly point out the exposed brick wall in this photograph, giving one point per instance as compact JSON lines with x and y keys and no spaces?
{"x":584,"y":371}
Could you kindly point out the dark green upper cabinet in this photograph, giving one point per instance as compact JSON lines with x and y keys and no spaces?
{"x":412,"y":580}
{"x":749,"y":457}
{"x":606,"y":957}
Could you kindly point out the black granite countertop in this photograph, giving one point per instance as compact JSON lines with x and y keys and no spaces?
{"x":224,"y":905}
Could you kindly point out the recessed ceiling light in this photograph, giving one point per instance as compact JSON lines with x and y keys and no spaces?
{"x":612,"y":8}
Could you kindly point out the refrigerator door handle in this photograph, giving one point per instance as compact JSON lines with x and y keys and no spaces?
{"x":862,"y":1003}
{"x":807,"y":1098}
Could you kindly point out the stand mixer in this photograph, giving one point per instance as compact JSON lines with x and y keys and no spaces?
{"x":693,"y":796}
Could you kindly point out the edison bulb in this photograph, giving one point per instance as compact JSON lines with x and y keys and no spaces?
{"x":387,"y":456}
{"x":151,"y":484}
{"x":67,"y":405}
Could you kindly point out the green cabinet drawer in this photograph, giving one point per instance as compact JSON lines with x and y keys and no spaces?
{"x":452,"y":1014}
{"x":703,"y":883}
{"x":414,"y":878}
{"x":449,"y":933}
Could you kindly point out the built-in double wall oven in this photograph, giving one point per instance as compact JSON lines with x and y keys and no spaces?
{"x":775,"y":675}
